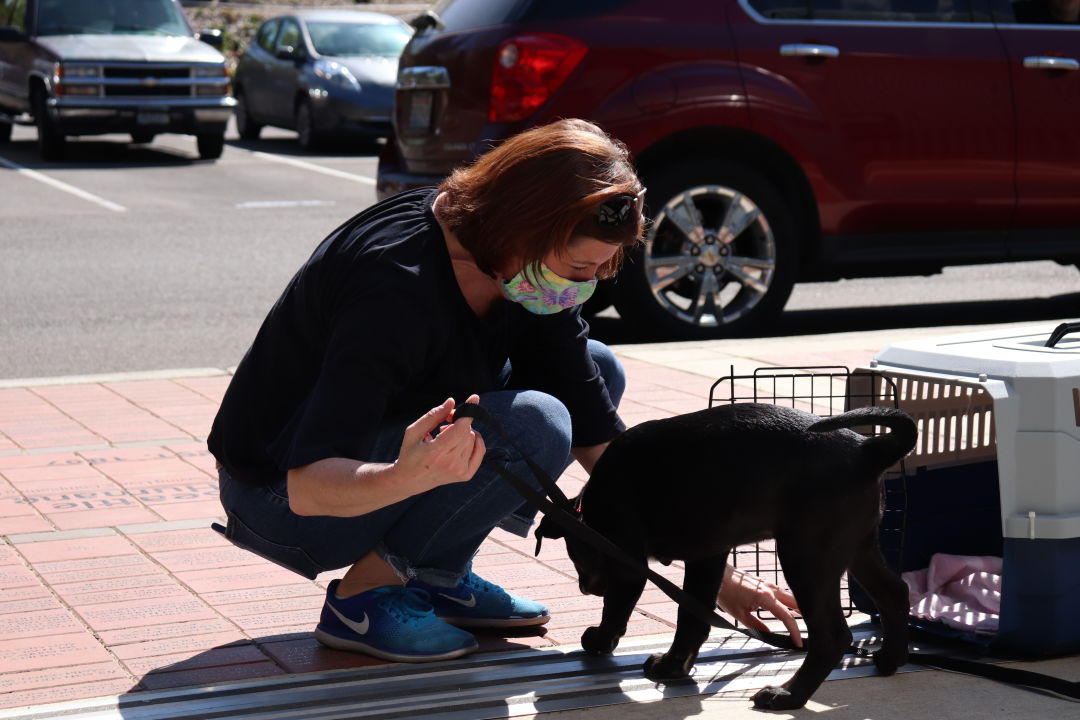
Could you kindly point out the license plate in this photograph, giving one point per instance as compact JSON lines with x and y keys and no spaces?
{"x":151,"y":117}
{"x":420,"y":104}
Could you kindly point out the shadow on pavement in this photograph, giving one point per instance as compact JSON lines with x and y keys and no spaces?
{"x":86,"y":154}
{"x":259,"y":678}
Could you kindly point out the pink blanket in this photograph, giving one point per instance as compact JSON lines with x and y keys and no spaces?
{"x":961,"y":591}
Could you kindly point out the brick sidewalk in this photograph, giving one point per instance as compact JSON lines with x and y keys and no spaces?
{"x":113,"y":583}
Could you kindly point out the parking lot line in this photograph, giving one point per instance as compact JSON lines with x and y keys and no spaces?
{"x":283,"y":204}
{"x":59,"y":185}
{"x":363,"y":179}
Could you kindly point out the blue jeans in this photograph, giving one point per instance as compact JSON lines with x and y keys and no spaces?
{"x":433,"y":535}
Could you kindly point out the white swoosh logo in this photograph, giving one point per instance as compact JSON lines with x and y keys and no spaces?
{"x":360,"y":628}
{"x":471,"y":602}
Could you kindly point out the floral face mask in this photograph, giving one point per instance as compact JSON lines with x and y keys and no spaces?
{"x":545,"y":292}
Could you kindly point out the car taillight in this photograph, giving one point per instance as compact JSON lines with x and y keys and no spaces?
{"x":528,"y":71}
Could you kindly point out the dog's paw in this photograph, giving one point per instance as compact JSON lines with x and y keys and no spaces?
{"x":662,"y":666}
{"x":776,"y":698}
{"x":597,"y":642}
{"x":888,"y":661}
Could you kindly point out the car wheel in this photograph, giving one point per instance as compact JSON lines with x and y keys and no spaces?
{"x":306,"y":134}
{"x":5,"y":132}
{"x":719,"y":257}
{"x":601,"y":299}
{"x":51,"y":142}
{"x":210,"y":145}
{"x":141,"y":138}
{"x":247,"y":128}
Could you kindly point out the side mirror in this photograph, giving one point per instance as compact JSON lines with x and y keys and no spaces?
{"x":288,"y":52}
{"x":212,"y":37}
{"x":12,"y":34}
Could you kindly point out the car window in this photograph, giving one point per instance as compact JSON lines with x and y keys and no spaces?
{"x":290,"y":35}
{"x":782,"y":9}
{"x":458,"y":15}
{"x":1038,"y":12}
{"x":892,"y":10}
{"x":13,"y":14}
{"x":356,"y":39}
{"x":265,"y":37}
{"x":110,"y":17}
{"x":568,"y":9}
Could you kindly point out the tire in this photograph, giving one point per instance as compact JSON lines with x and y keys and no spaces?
{"x":52,"y":145}
{"x":5,"y":132}
{"x":210,"y":145}
{"x":601,"y":299}
{"x":719,"y":258}
{"x":246,"y":127}
{"x":306,"y":134}
{"x":142,"y":137}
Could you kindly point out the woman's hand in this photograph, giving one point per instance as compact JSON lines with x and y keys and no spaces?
{"x":742,"y":594}
{"x":453,"y":454}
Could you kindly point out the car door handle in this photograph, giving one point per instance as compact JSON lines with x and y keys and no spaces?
{"x":1043,"y":62}
{"x":811,"y":51}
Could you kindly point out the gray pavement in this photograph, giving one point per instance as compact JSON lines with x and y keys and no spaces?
{"x":922,"y":695}
{"x":667,"y":375}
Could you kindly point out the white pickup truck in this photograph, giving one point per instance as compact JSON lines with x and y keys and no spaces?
{"x":89,"y":67}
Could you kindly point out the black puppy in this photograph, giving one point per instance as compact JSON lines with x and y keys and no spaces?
{"x":692,"y":487}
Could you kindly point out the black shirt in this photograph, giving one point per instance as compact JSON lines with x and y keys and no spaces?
{"x":372,"y":329}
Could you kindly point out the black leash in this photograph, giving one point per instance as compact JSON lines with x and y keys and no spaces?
{"x":990,"y":671}
{"x":562,"y":511}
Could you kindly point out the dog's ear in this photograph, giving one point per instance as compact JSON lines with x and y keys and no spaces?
{"x":547,"y":528}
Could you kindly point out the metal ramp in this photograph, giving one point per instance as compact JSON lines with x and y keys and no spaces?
{"x":479,"y":687}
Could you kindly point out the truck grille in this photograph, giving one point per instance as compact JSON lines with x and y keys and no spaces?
{"x":145,"y":91}
{"x":141,"y":80}
{"x":146,"y":72}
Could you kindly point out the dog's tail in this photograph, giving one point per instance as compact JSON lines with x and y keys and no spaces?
{"x":882,"y":450}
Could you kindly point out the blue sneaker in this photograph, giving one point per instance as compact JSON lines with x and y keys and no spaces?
{"x":475,"y":602}
{"x":390,"y":622}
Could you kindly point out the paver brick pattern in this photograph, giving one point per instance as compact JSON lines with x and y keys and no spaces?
{"x":112,"y":581}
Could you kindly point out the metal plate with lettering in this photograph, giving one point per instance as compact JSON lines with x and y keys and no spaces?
{"x":420,"y":106}
{"x":152,"y":117}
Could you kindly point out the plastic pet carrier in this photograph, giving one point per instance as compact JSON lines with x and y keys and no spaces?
{"x":996,"y":473}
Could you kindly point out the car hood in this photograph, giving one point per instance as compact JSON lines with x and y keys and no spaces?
{"x":137,"y":48}
{"x":369,"y":70}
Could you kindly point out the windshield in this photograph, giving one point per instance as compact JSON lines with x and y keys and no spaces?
{"x":110,"y":17}
{"x":344,"y":39}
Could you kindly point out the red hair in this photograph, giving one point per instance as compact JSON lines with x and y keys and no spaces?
{"x":536,"y":191}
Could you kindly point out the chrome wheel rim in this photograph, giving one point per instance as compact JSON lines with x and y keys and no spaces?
{"x":710,"y":256}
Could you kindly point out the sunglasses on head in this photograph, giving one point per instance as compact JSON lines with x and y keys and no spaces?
{"x":621,"y":209}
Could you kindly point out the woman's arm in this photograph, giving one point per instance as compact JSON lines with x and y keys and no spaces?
{"x":341,"y":487}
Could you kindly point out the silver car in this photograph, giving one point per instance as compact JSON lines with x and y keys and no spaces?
{"x":324,"y":73}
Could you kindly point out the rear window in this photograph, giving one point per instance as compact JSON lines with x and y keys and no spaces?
{"x":472,"y":14}
{"x":569,"y":9}
{"x":867,"y":10}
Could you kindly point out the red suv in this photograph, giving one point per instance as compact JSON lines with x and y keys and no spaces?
{"x":780,"y":140}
